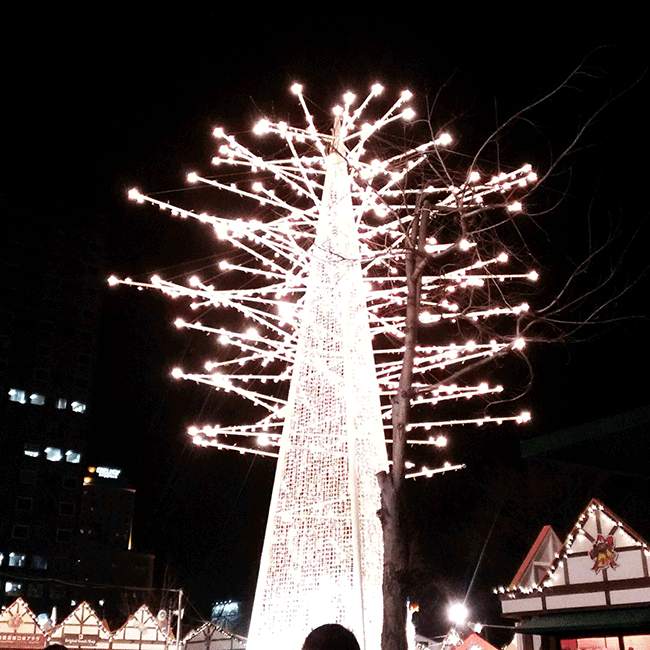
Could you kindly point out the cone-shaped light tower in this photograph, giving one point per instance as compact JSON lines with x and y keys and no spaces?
{"x":322,"y":556}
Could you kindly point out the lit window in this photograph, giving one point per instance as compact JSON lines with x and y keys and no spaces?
{"x":32,"y":451}
{"x":16,"y":559}
{"x":78,"y":407}
{"x":2,"y":558}
{"x":36,"y":399}
{"x":13,"y":587}
{"x":61,"y":403}
{"x":72,"y":456}
{"x":53,"y":453}
{"x":16,"y":395}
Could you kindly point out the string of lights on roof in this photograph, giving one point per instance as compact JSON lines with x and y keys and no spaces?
{"x":271,"y":268}
{"x":595,"y":508}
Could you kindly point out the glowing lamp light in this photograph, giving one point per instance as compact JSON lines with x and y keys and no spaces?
{"x":524,"y":416}
{"x":112,"y":281}
{"x":503,"y":257}
{"x":533,"y":276}
{"x":377,"y":89}
{"x":444,"y":139}
{"x":515,"y":207}
{"x":263,"y":126}
{"x":349,"y":97}
{"x":464,"y":245}
{"x":134,"y":195}
{"x":519,"y":344}
{"x":177,"y":373}
{"x":406,"y":95}
{"x":457,"y":613}
{"x":408,"y":113}
{"x":296,"y":89}
{"x":474,"y":177}
{"x":192,"y":177}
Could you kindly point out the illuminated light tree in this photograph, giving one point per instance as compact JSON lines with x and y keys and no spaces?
{"x":349,"y":267}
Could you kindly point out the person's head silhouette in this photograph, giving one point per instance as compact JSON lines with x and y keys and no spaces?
{"x":331,"y":636}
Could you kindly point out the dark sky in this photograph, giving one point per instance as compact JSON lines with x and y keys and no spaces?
{"x":97,"y":107}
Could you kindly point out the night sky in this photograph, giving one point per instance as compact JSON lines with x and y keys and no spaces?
{"x":131,"y":100}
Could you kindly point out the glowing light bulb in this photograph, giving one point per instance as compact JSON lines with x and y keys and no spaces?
{"x":263,"y":126}
{"x":457,"y":613}
{"x":377,"y":89}
{"x":444,"y":139}
{"x":177,"y":373}
{"x":296,"y":89}
{"x":524,"y":416}
{"x":112,"y":281}
{"x":408,"y":113}
{"x":192,"y":177}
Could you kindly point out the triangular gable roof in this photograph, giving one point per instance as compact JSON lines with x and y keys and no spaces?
{"x":602,"y":563}
{"x":475,"y":642}
{"x":538,"y":560}
{"x":80,"y":629}
{"x":210,"y":636}
{"x":142,"y":632}
{"x":19,"y":627}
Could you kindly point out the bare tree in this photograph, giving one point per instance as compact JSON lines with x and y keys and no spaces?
{"x":470,"y":224}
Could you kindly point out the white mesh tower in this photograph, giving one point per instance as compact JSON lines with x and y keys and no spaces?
{"x":322,"y":556}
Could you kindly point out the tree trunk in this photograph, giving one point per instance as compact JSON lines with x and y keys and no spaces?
{"x":393,"y":635}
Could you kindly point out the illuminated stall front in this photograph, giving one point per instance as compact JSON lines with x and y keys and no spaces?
{"x":590,"y":593}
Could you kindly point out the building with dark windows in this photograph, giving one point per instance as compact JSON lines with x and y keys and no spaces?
{"x":65,"y":526}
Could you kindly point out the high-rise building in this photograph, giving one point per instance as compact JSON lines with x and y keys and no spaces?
{"x":62,"y":527}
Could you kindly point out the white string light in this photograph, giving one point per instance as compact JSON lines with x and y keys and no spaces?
{"x":330,"y":220}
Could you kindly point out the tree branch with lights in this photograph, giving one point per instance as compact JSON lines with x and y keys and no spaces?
{"x":442,"y":295}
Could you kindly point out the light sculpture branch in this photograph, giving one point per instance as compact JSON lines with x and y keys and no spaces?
{"x":255,"y":362}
